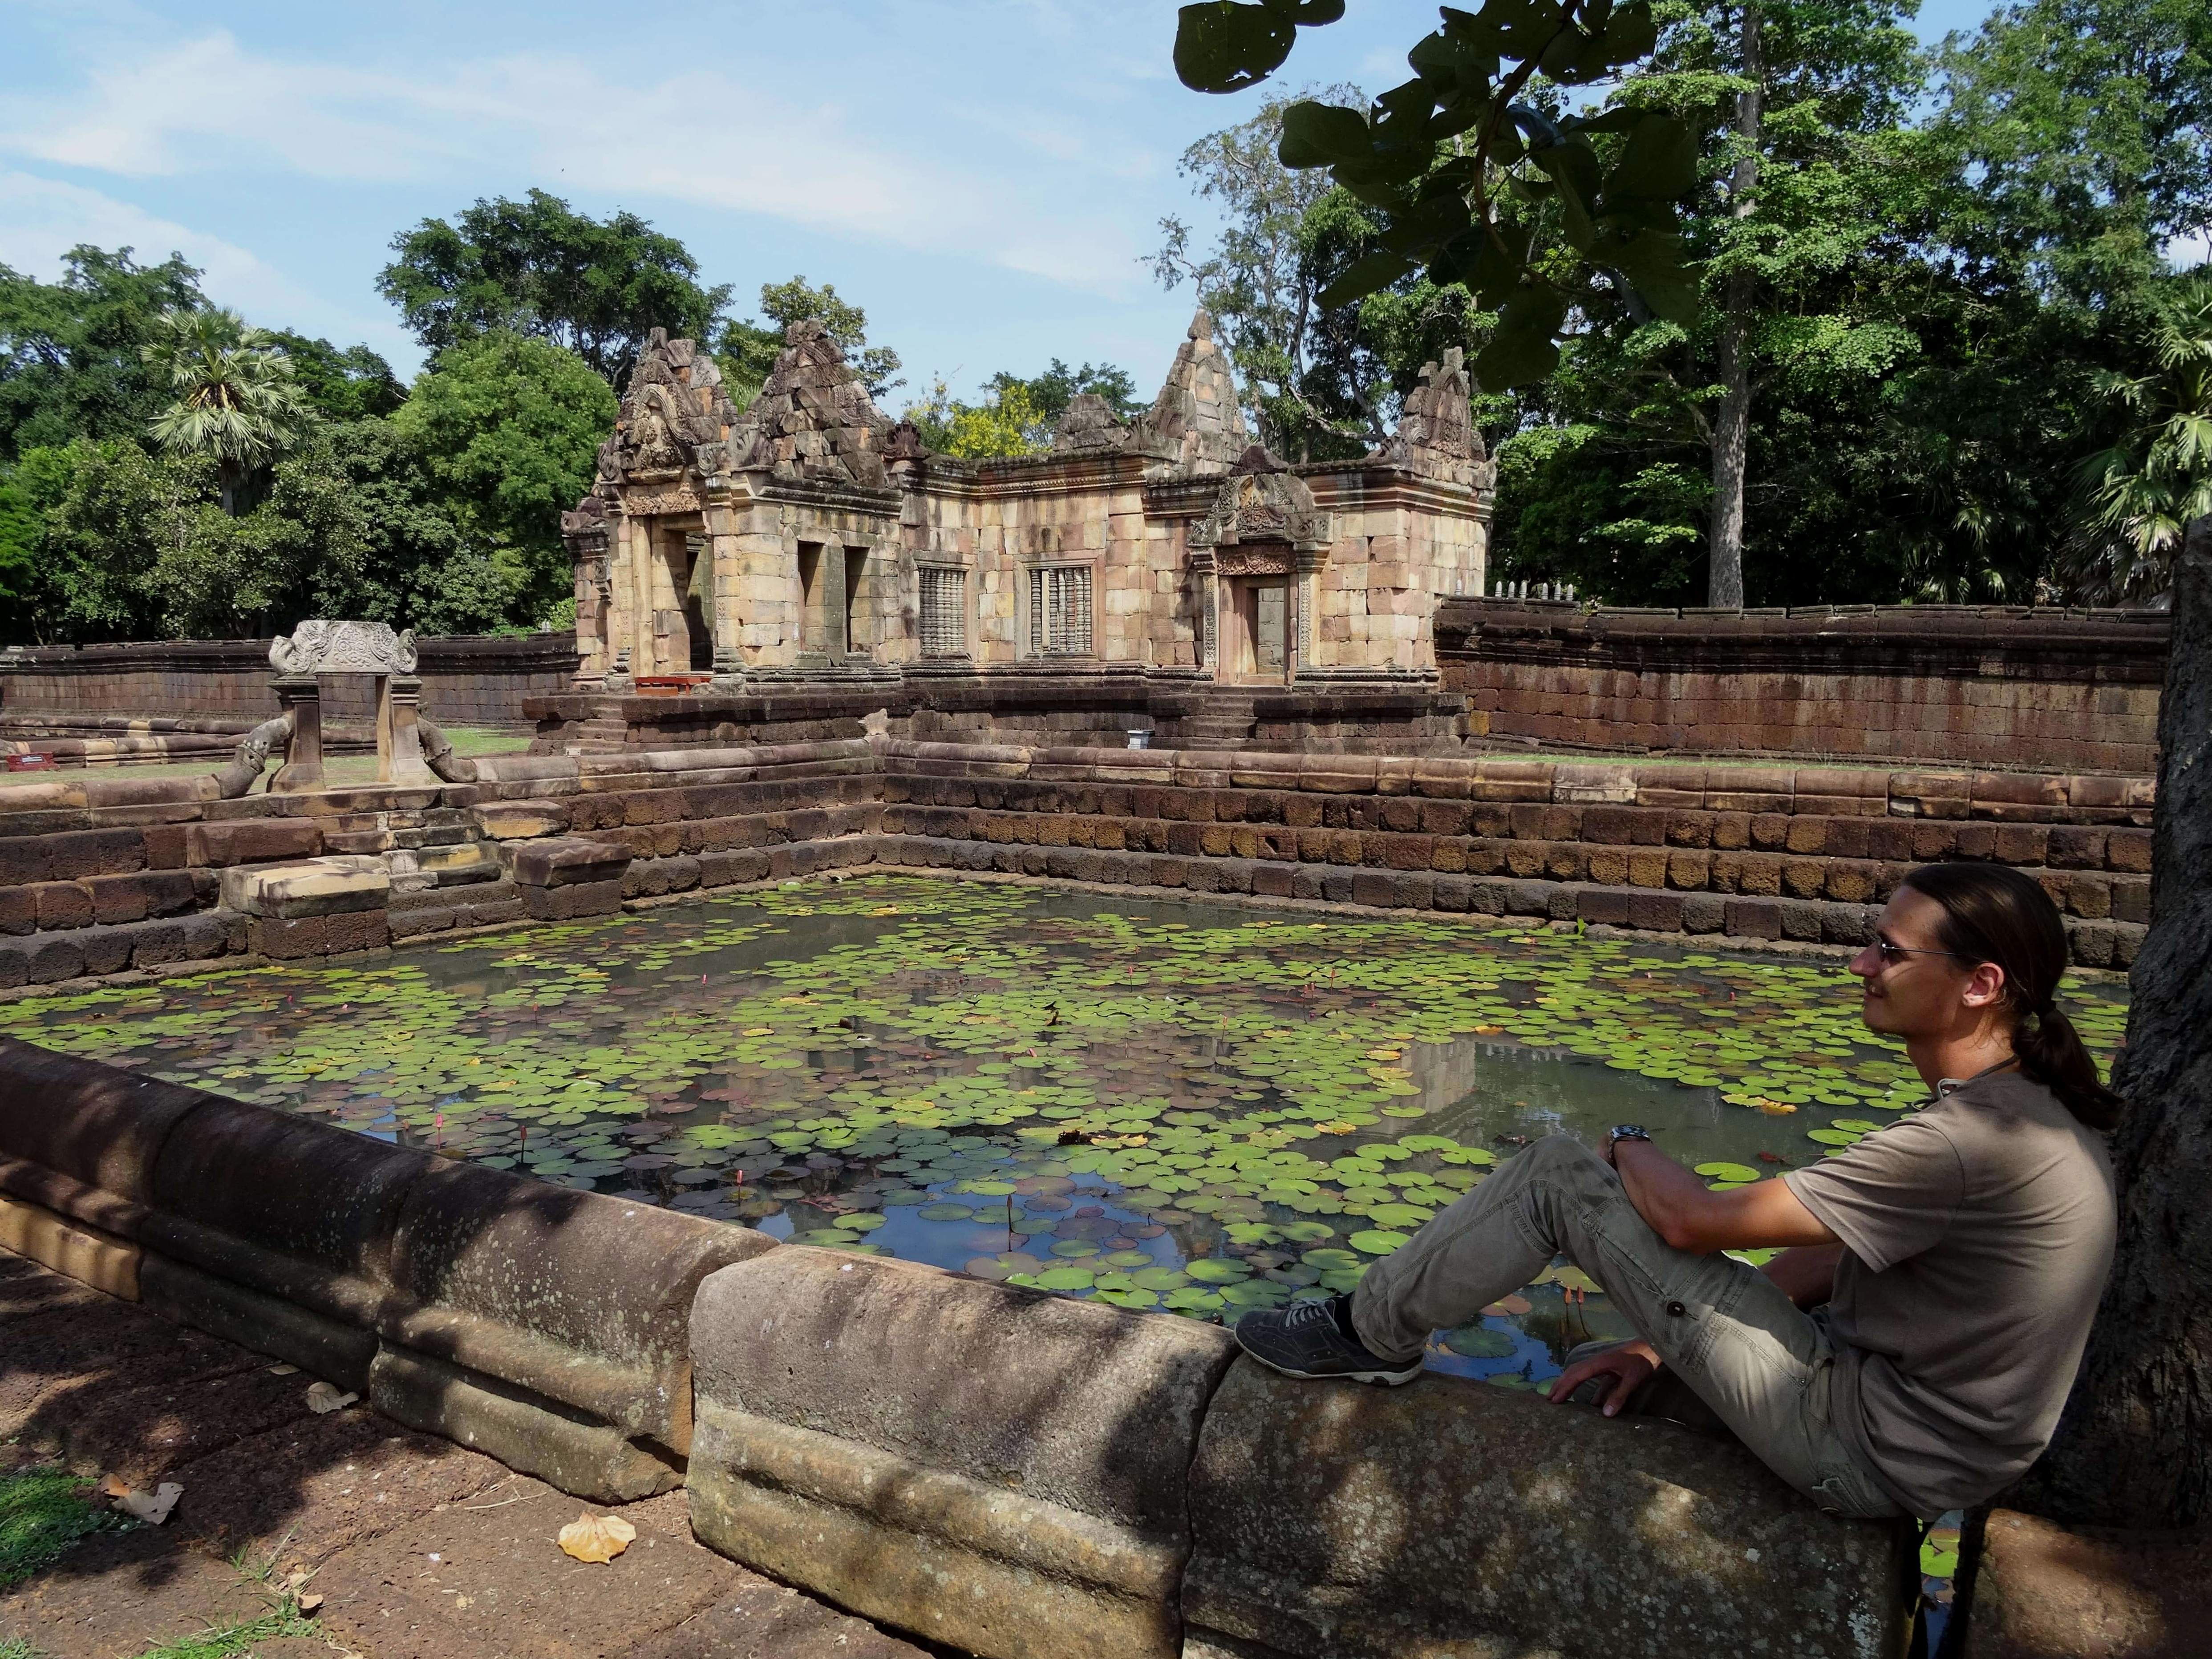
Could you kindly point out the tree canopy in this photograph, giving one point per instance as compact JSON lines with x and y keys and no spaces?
{"x":537,"y":267}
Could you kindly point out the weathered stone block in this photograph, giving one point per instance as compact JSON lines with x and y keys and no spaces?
{"x":563,"y":861}
{"x":62,"y":904}
{"x":547,"y":1327}
{"x":1450,"y":1518}
{"x":2044,"y":1591}
{"x":875,"y":1430}
{"x":590,"y":898}
{"x":316,"y":887}
{"x":252,"y":842}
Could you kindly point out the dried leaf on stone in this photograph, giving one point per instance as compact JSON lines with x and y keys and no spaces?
{"x":597,"y":1537}
{"x":151,"y":1507}
{"x":324,"y":1397}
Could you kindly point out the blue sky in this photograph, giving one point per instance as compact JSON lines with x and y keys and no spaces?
{"x":985,"y":177}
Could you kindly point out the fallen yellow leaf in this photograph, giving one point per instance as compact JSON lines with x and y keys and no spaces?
{"x":597,"y":1537}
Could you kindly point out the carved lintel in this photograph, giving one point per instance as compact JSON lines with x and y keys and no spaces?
{"x":320,"y":646}
{"x":640,"y":504}
{"x":1262,"y":560}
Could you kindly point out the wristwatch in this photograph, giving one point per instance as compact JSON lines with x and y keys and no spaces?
{"x":1620,"y":1132}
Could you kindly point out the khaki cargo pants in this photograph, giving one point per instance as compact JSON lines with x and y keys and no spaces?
{"x":1765,"y":1367}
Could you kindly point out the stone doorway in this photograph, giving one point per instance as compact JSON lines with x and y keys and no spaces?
{"x":1260,"y":630}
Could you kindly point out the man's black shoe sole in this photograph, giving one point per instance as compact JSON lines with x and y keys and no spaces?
{"x":1381,"y":1378}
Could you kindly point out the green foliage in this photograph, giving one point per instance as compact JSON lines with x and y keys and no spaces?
{"x":43,"y":1513}
{"x":69,"y":351}
{"x":508,"y":427}
{"x":1436,"y":157}
{"x":538,"y":267}
{"x":356,"y":383}
{"x":746,"y":351}
{"x":2088,"y":127}
{"x":1016,"y":416}
{"x":232,"y":398}
{"x":2146,"y":488}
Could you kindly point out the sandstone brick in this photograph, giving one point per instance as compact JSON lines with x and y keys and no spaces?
{"x":214,"y":846}
{"x":1769,"y":831}
{"x":62,"y":904}
{"x":2131,"y":899}
{"x":587,"y":898}
{"x":1647,"y":868}
{"x":2076,"y":847}
{"x":1752,"y":919}
{"x":2021,"y":843}
{"x":2089,"y":896}
{"x":2129,"y":850}
{"x":18,"y":909}
{"x":95,"y":853}
{"x":1704,"y":913}
{"x":1689,"y":870}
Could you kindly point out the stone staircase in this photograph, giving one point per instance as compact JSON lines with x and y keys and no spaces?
{"x":1225,"y":721}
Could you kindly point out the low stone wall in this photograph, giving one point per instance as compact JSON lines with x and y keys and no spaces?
{"x":2063,"y":690}
{"x":999,"y":1469}
{"x":467,"y":680}
{"x":1059,"y":706}
{"x":99,"y":876}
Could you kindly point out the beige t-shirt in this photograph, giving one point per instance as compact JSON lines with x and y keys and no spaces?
{"x":1977,"y":1232}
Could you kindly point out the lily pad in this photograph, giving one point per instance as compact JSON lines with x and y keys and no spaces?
{"x":1723,"y":1171}
{"x":946,"y":1212}
{"x":1378,"y":1241}
{"x":1480,"y":1342}
{"x":1215,"y":1270}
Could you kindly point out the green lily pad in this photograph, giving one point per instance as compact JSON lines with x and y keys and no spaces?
{"x":1733,"y":1172}
{"x":1065,"y":1278}
{"x":1074,"y":1248}
{"x":1378,"y":1241}
{"x":1161,"y":1278}
{"x":1214,"y":1270}
{"x":1480,"y":1342}
{"x":1329,"y":1259}
{"x":944,"y":1212}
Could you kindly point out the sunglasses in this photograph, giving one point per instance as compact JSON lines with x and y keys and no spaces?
{"x":1891,"y":955}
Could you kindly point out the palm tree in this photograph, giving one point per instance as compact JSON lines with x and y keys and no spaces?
{"x":236,"y":401}
{"x":2142,"y":492}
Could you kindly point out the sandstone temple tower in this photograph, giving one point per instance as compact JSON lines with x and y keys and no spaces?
{"x":809,"y":537}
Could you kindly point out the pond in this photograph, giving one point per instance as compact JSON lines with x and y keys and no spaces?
{"x":1195,"y":1109}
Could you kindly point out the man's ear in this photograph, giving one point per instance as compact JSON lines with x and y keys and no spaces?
{"x":1984,"y":986}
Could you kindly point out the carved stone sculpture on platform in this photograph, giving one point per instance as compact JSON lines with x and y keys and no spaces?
{"x":410,"y":750}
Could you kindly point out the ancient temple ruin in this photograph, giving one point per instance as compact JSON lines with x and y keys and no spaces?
{"x":809,"y":536}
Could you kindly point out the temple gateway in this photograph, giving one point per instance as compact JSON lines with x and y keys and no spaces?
{"x":810,"y":538}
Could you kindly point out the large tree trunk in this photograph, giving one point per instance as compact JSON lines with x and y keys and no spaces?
{"x":1732,"y":423}
{"x":2135,"y":1448}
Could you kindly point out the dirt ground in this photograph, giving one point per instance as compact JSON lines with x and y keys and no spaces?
{"x":419,"y":1548}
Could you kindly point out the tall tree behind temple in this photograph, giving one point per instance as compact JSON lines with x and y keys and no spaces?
{"x":537,"y":267}
{"x":69,"y":351}
{"x":232,"y":396}
{"x":746,"y":351}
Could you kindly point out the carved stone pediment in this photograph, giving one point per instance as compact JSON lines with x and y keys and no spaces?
{"x":1436,"y":435}
{"x":343,"y":647}
{"x":1088,"y":423}
{"x":814,"y":419}
{"x":674,"y":407}
{"x":1195,"y":424}
{"x":1261,"y":501}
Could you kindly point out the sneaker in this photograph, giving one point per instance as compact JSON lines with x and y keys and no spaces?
{"x":1315,"y":1338}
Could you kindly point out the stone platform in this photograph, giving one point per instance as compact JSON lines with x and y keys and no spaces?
{"x":417,"y":1546}
{"x":1411,"y":716}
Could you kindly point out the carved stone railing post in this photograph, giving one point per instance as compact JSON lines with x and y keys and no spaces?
{"x":399,"y":730}
{"x":301,"y":697}
{"x":318,"y":648}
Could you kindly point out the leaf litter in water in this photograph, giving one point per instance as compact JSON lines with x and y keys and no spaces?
{"x":1167,"y":1101}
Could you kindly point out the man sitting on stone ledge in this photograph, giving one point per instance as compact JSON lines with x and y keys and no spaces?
{"x":1911,"y":1348}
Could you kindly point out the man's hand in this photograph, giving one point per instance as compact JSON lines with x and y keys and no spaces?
{"x":1629,"y":1363}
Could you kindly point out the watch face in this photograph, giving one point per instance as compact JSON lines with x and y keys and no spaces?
{"x":1629,"y":1132}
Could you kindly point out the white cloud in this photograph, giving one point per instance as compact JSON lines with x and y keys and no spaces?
{"x":41,"y":219}
{"x":706,"y":136}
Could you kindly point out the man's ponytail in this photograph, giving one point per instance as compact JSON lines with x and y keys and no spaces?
{"x":1993,"y":913}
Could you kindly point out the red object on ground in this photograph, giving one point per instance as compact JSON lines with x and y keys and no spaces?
{"x":29,"y":763}
{"x":670,"y":685}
